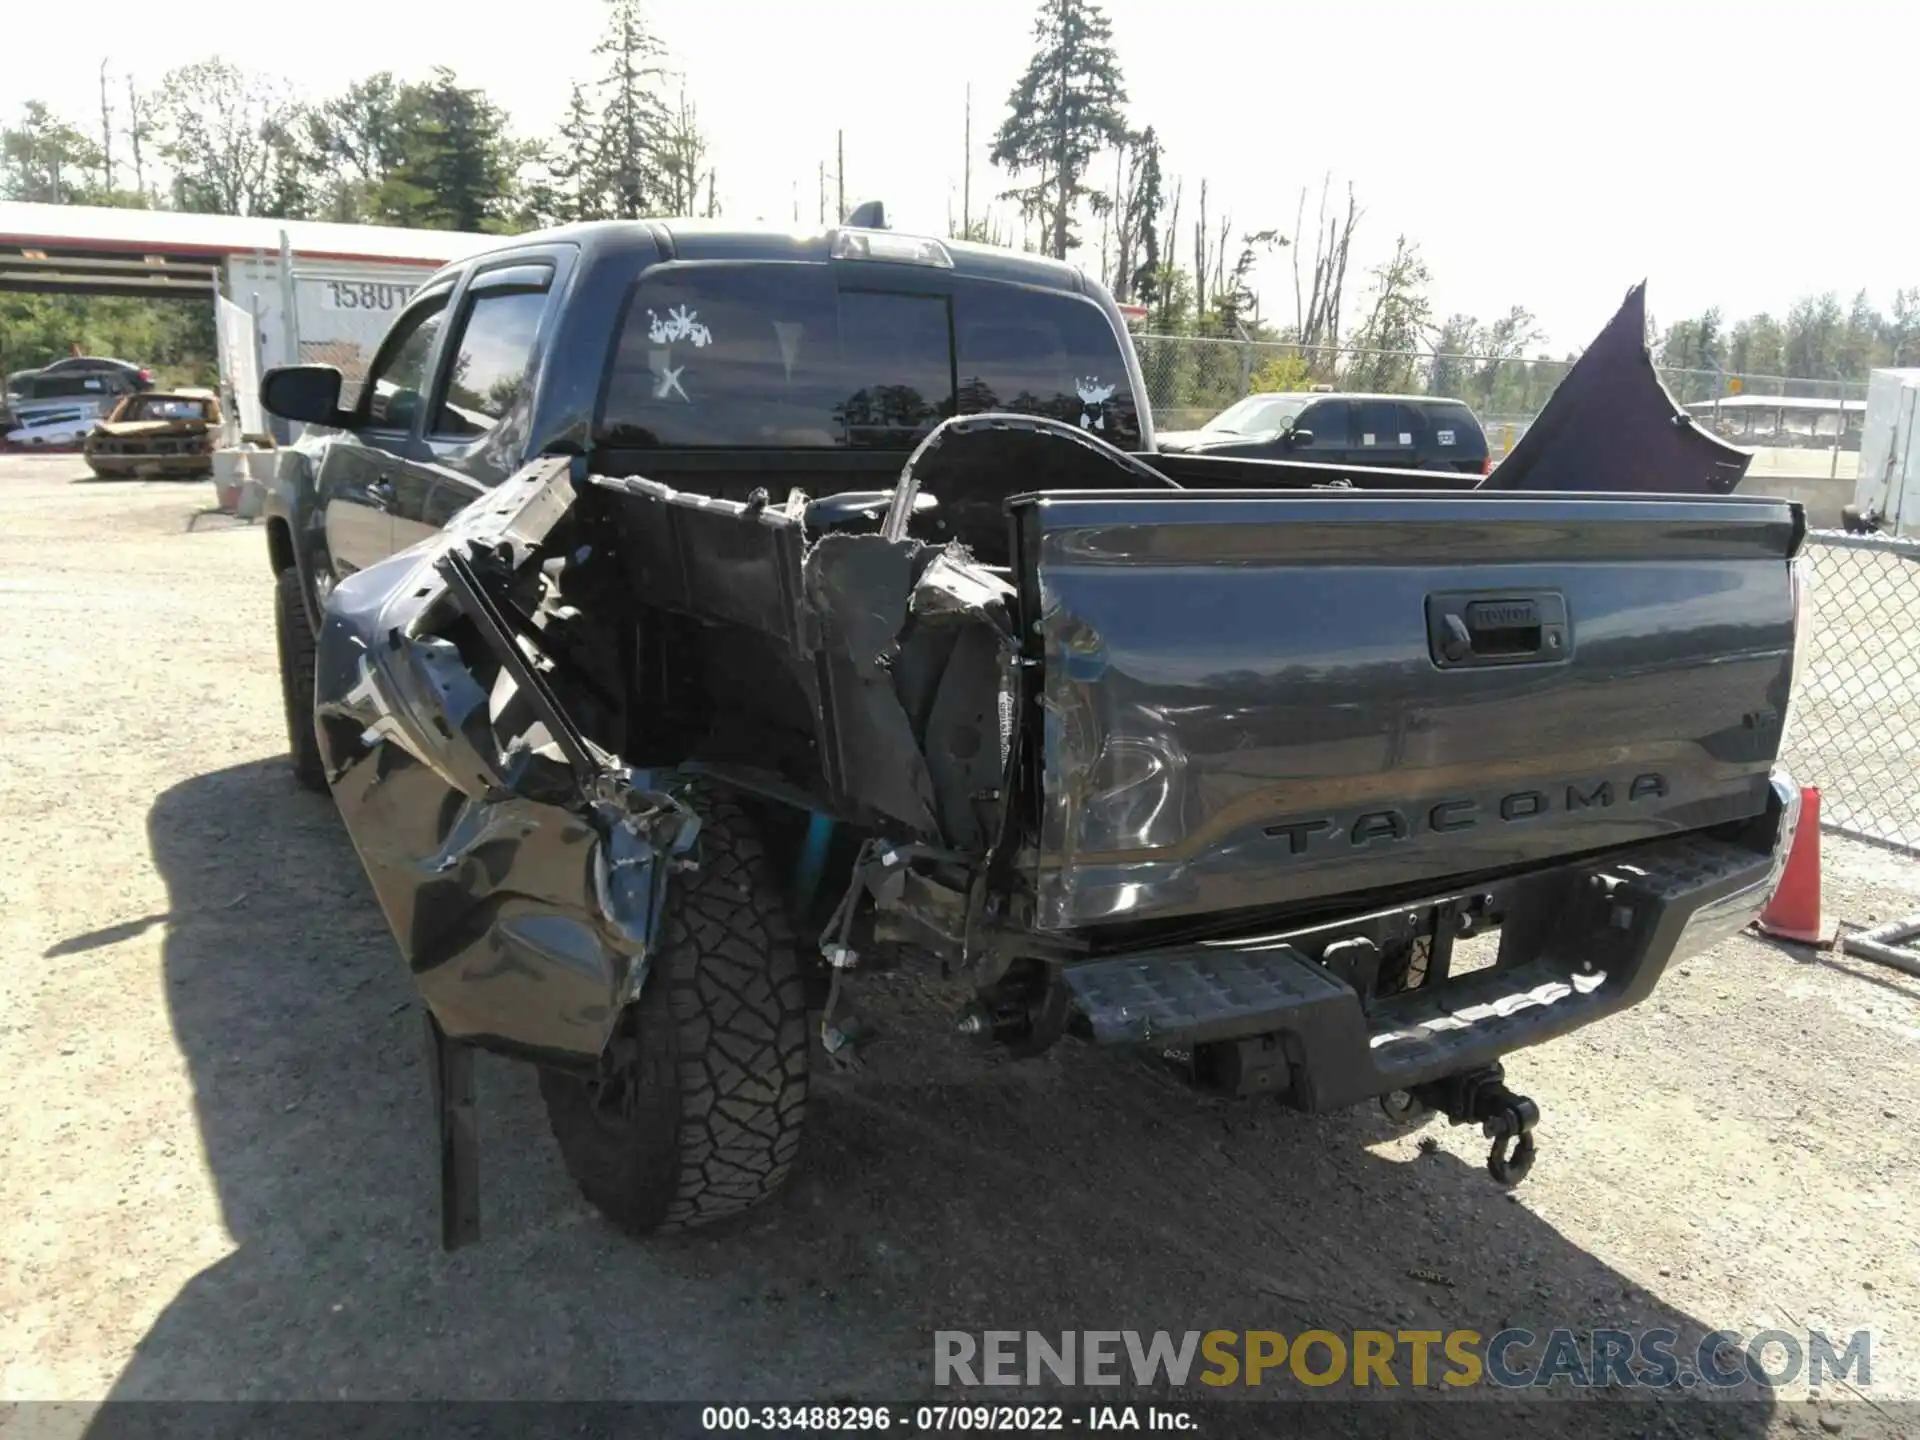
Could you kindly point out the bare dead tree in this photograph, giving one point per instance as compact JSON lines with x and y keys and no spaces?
{"x":136,"y":132}
{"x":966,"y":171}
{"x":1200,"y":260}
{"x":1135,"y":205}
{"x":1166,"y":249}
{"x":1219,"y":284}
{"x":1318,"y":320}
{"x":106,"y":133}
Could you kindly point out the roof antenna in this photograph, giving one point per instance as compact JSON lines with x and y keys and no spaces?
{"x":870,"y":215}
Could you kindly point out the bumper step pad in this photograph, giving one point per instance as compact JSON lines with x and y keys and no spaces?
{"x":1339,"y":1054}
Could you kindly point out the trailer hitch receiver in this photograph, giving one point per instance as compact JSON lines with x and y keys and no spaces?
{"x":1481,"y":1097}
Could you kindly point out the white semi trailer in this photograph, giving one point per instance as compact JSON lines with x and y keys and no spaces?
{"x":1886,"y":494}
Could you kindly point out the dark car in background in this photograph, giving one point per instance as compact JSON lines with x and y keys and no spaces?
{"x":138,"y":377}
{"x":1404,"y":432}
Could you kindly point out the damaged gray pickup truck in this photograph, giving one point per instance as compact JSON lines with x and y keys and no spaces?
{"x":690,"y":622}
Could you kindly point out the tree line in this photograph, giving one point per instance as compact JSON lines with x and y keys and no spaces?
{"x":1084,"y":177}
{"x":1067,"y":128}
{"x":1817,"y":340}
{"x":432,"y":153}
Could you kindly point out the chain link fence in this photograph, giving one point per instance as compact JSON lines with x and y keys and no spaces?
{"x":1856,"y":716}
{"x":342,"y":315}
{"x":1190,"y":379}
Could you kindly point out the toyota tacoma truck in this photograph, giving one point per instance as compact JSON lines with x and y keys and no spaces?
{"x":689,"y":622}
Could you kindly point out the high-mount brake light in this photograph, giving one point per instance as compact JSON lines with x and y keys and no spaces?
{"x":851,"y":244}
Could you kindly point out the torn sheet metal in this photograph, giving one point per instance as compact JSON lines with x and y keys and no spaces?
{"x":520,"y":863}
{"x":914,"y":643}
{"x":861,"y":586}
{"x":523,"y":900}
{"x":1612,"y":426}
{"x":861,"y":622}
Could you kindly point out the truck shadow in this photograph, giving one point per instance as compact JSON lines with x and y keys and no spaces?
{"x":940,"y":1190}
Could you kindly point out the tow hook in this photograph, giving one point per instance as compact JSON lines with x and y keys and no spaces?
{"x":1481,"y":1097}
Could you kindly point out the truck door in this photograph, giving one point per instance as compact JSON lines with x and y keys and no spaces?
{"x":488,"y":373}
{"x":1327,"y":421}
{"x":1385,"y":433}
{"x":366,"y":475}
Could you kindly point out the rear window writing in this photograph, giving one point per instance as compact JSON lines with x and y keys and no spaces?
{"x":779,"y":355}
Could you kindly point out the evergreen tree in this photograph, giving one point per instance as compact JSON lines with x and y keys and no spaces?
{"x":352,"y":144}
{"x":458,"y":167}
{"x":570,"y":169}
{"x":1065,"y":109}
{"x":633,"y":121}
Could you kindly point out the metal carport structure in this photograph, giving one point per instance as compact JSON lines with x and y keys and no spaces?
{"x":305,"y":289}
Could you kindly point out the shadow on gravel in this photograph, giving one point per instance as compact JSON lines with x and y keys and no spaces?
{"x":940,"y":1190}
{"x":89,"y":478}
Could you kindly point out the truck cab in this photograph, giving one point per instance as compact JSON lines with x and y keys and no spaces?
{"x":685,"y":348}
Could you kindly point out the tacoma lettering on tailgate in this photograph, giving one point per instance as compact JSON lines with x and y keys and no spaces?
{"x":1444,"y":816}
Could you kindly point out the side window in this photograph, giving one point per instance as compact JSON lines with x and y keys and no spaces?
{"x":1413,"y":424}
{"x":1328,"y":421}
{"x":1038,"y":352}
{"x":491,"y":358}
{"x":391,"y":395}
{"x":1376,"y":425}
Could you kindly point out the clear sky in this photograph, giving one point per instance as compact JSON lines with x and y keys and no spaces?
{"x":1543,"y":153}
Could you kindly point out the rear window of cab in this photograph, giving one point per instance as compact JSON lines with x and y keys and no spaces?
{"x":785,"y":355}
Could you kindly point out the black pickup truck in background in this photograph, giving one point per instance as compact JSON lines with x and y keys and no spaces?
{"x":690,"y":621}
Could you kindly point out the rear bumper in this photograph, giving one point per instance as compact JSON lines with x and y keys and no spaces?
{"x":1585,"y":940}
{"x":193,"y":464}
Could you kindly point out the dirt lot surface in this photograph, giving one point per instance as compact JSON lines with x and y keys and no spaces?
{"x":216,"y":1159}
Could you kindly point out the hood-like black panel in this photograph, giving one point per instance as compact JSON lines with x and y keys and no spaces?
{"x":1612,"y":426}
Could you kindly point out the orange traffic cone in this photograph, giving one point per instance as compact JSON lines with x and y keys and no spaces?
{"x":1794,"y":911}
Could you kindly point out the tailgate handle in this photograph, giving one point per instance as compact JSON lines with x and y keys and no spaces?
{"x":1497,"y":629}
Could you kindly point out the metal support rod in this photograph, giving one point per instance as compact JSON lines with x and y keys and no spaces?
{"x":456,"y":1117}
{"x":1881,"y":944}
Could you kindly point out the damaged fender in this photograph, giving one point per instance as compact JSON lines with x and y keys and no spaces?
{"x":521,"y":869}
{"x":1610,"y":425}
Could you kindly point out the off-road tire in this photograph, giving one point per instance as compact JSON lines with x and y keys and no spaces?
{"x":295,"y":637}
{"x":715,"y":1092}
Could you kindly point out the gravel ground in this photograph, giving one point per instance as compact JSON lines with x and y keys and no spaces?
{"x":216,"y":1165}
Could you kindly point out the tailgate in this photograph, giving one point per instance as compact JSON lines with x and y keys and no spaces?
{"x":1255,"y":700}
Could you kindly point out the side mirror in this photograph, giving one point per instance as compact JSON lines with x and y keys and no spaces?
{"x":1299,"y":437}
{"x":307,"y":393}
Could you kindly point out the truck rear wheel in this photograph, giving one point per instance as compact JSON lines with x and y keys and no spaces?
{"x":295,"y":638}
{"x":697,"y":1111}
